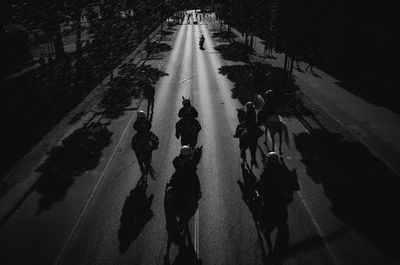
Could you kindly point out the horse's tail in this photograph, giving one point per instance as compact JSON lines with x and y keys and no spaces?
{"x":286,"y":134}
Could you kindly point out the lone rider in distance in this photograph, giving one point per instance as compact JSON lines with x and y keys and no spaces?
{"x":187,"y":111}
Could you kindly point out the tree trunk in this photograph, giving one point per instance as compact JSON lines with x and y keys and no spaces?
{"x":55,"y":31}
{"x":285,"y":65}
{"x":78,"y":33}
{"x":291,"y":66}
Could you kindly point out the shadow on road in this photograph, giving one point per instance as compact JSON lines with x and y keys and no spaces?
{"x":235,"y":51}
{"x":224,"y":35}
{"x":136,"y":212}
{"x":79,"y":152}
{"x":122,"y":89}
{"x":361,"y":188}
{"x":255,"y":78}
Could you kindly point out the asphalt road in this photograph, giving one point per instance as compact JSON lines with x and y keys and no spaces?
{"x":85,"y":227}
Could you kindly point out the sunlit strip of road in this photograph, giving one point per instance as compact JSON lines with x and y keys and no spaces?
{"x":187,"y":74}
{"x":209,"y":166}
{"x":224,"y":85}
{"x":163,"y":86}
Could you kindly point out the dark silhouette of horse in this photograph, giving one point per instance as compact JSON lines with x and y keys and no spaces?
{"x":143,"y":144}
{"x":182,"y":194}
{"x":188,"y":130}
{"x":277,"y":186}
{"x":248,"y":139}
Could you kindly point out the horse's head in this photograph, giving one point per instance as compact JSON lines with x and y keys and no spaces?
{"x":241,"y":114}
{"x":186,"y":101}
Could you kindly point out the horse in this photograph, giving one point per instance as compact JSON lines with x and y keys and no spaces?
{"x":188,"y":131}
{"x":277,"y":194}
{"x":247,"y":139}
{"x":179,"y":207}
{"x":143,"y":144}
{"x":275,"y":124}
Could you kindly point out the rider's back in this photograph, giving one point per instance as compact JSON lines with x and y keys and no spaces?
{"x":142,"y":126}
{"x":188,"y":112}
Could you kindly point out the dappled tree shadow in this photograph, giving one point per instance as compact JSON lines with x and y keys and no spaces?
{"x":136,"y":212}
{"x":255,"y":78}
{"x":166,"y":32}
{"x":234,"y":51}
{"x":362,"y":189}
{"x":156,"y":47}
{"x":122,"y":89}
{"x":79,"y":152}
{"x":224,"y":35}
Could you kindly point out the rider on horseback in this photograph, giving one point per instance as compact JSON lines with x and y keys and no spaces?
{"x":277,"y":186}
{"x":250,"y":123}
{"x":188,"y":115}
{"x":276,"y":171}
{"x":185,"y":175}
{"x":144,"y":142}
{"x":187,"y":111}
{"x":269,"y":108}
{"x":142,"y":125}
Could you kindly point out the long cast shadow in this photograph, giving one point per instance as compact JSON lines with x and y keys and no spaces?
{"x":235,"y":51}
{"x":361,"y":188}
{"x":79,"y":152}
{"x":122,"y":89}
{"x":255,"y":78}
{"x":136,"y":212}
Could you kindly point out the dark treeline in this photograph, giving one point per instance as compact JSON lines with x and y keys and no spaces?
{"x":352,"y":40}
{"x":77,"y":44}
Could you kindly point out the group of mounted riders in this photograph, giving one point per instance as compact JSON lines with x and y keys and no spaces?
{"x":266,"y":198}
{"x":182,"y":192}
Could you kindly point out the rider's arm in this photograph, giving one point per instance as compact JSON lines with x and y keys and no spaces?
{"x":195,"y":113}
{"x":180,"y":112}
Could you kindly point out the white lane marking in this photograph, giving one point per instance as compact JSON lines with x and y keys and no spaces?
{"x":83,"y":211}
{"x":183,"y":81}
{"x":196,"y":233}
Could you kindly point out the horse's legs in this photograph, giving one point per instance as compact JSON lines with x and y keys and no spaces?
{"x":281,"y":242}
{"x":243,"y":154}
{"x":141,"y":163}
{"x":273,"y":141}
{"x":266,"y":140}
{"x":262,"y":153}
{"x":267,"y":237}
{"x":253,"y":150}
{"x":166,"y":256}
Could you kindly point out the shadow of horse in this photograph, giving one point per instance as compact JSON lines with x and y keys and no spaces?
{"x":136,"y":212}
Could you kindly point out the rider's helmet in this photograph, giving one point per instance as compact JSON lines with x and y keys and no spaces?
{"x":186,"y":102}
{"x":268,"y":95}
{"x":272,"y":158}
{"x":250,"y":106}
{"x":141,"y":115}
{"x":186,"y":150}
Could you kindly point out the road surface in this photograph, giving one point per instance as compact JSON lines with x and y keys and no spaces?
{"x":84,"y":227}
